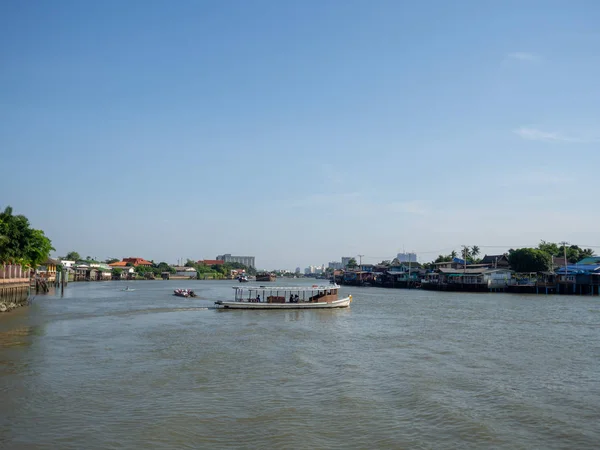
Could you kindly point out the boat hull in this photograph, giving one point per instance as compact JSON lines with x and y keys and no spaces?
{"x":341,"y":303}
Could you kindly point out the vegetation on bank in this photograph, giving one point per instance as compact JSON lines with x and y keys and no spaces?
{"x":522,"y":260}
{"x":539,"y":259}
{"x":218,"y":271}
{"x":20,"y":243}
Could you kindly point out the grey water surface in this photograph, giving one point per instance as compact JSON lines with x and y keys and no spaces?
{"x":105,"y":369}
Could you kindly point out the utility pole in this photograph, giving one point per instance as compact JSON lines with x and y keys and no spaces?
{"x":564,"y":244}
{"x":409,"y":261}
{"x":464,"y":263}
{"x":360,"y":259}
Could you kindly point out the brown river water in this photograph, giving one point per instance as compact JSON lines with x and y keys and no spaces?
{"x":105,"y":369}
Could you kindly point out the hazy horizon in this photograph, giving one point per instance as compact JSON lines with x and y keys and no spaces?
{"x":299,"y":133}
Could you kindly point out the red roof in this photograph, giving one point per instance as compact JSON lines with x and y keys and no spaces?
{"x":212,"y":262}
{"x":118,"y":264}
{"x":137,"y":261}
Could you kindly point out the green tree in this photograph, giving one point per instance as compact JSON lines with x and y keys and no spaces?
{"x":117,"y":271}
{"x":574,"y":252}
{"x":111,"y":260}
{"x":586,"y":253}
{"x":443,"y":258}
{"x":528,"y":260}
{"x":73,"y":256}
{"x":141,"y":270}
{"x":549,"y":247}
{"x":164,"y":267}
{"x":21,"y":244}
{"x":352,"y":264}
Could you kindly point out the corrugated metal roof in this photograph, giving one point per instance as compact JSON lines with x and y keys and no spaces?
{"x":576,"y":268}
{"x":590,"y":260}
{"x":461,"y":271}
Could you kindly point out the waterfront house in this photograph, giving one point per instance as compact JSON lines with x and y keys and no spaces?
{"x":580,"y":278}
{"x":556,"y":262}
{"x":497,"y":278}
{"x":48,"y":269}
{"x":358,"y":277}
{"x":546,"y":283}
{"x":127,"y":273}
{"x":475,"y":277}
{"x":137,"y":261}
{"x":403,"y":278}
{"x":81,"y":271}
{"x":472,"y":276}
{"x":455,"y":263}
{"x":495,"y":261}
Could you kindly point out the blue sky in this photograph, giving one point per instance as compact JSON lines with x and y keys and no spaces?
{"x":300,"y":132}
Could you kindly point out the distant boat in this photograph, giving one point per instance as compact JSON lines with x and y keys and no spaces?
{"x":265,"y":276}
{"x":127,"y":289}
{"x":243,"y":279}
{"x":278,"y":297}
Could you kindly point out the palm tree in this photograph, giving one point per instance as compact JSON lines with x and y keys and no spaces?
{"x":453,"y":254}
{"x":475,"y":251}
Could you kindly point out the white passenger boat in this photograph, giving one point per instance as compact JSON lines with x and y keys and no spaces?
{"x":280,"y":297}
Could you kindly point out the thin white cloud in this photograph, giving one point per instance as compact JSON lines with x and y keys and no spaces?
{"x":534,"y":134}
{"x":524,"y":56}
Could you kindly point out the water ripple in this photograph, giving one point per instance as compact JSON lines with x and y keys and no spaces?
{"x":100,"y":369}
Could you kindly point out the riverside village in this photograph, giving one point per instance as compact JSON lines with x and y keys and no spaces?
{"x":549,"y":268}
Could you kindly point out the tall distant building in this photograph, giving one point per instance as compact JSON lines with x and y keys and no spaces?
{"x":335,"y":265}
{"x":346,"y":260}
{"x":245,"y":260}
{"x":407,"y":257}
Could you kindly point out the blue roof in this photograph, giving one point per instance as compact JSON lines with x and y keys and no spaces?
{"x":459,"y":261}
{"x":577,"y":268}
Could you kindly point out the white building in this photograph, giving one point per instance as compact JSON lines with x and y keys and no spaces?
{"x":335,"y":265}
{"x":245,"y":260}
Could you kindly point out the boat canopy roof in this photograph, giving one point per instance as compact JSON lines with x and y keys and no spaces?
{"x":288,"y":288}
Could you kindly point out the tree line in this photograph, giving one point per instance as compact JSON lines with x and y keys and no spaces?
{"x":219,"y":270}
{"x":541,"y":258}
{"x":537,"y":259}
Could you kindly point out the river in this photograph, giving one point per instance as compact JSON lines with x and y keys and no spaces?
{"x":105,"y":369}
